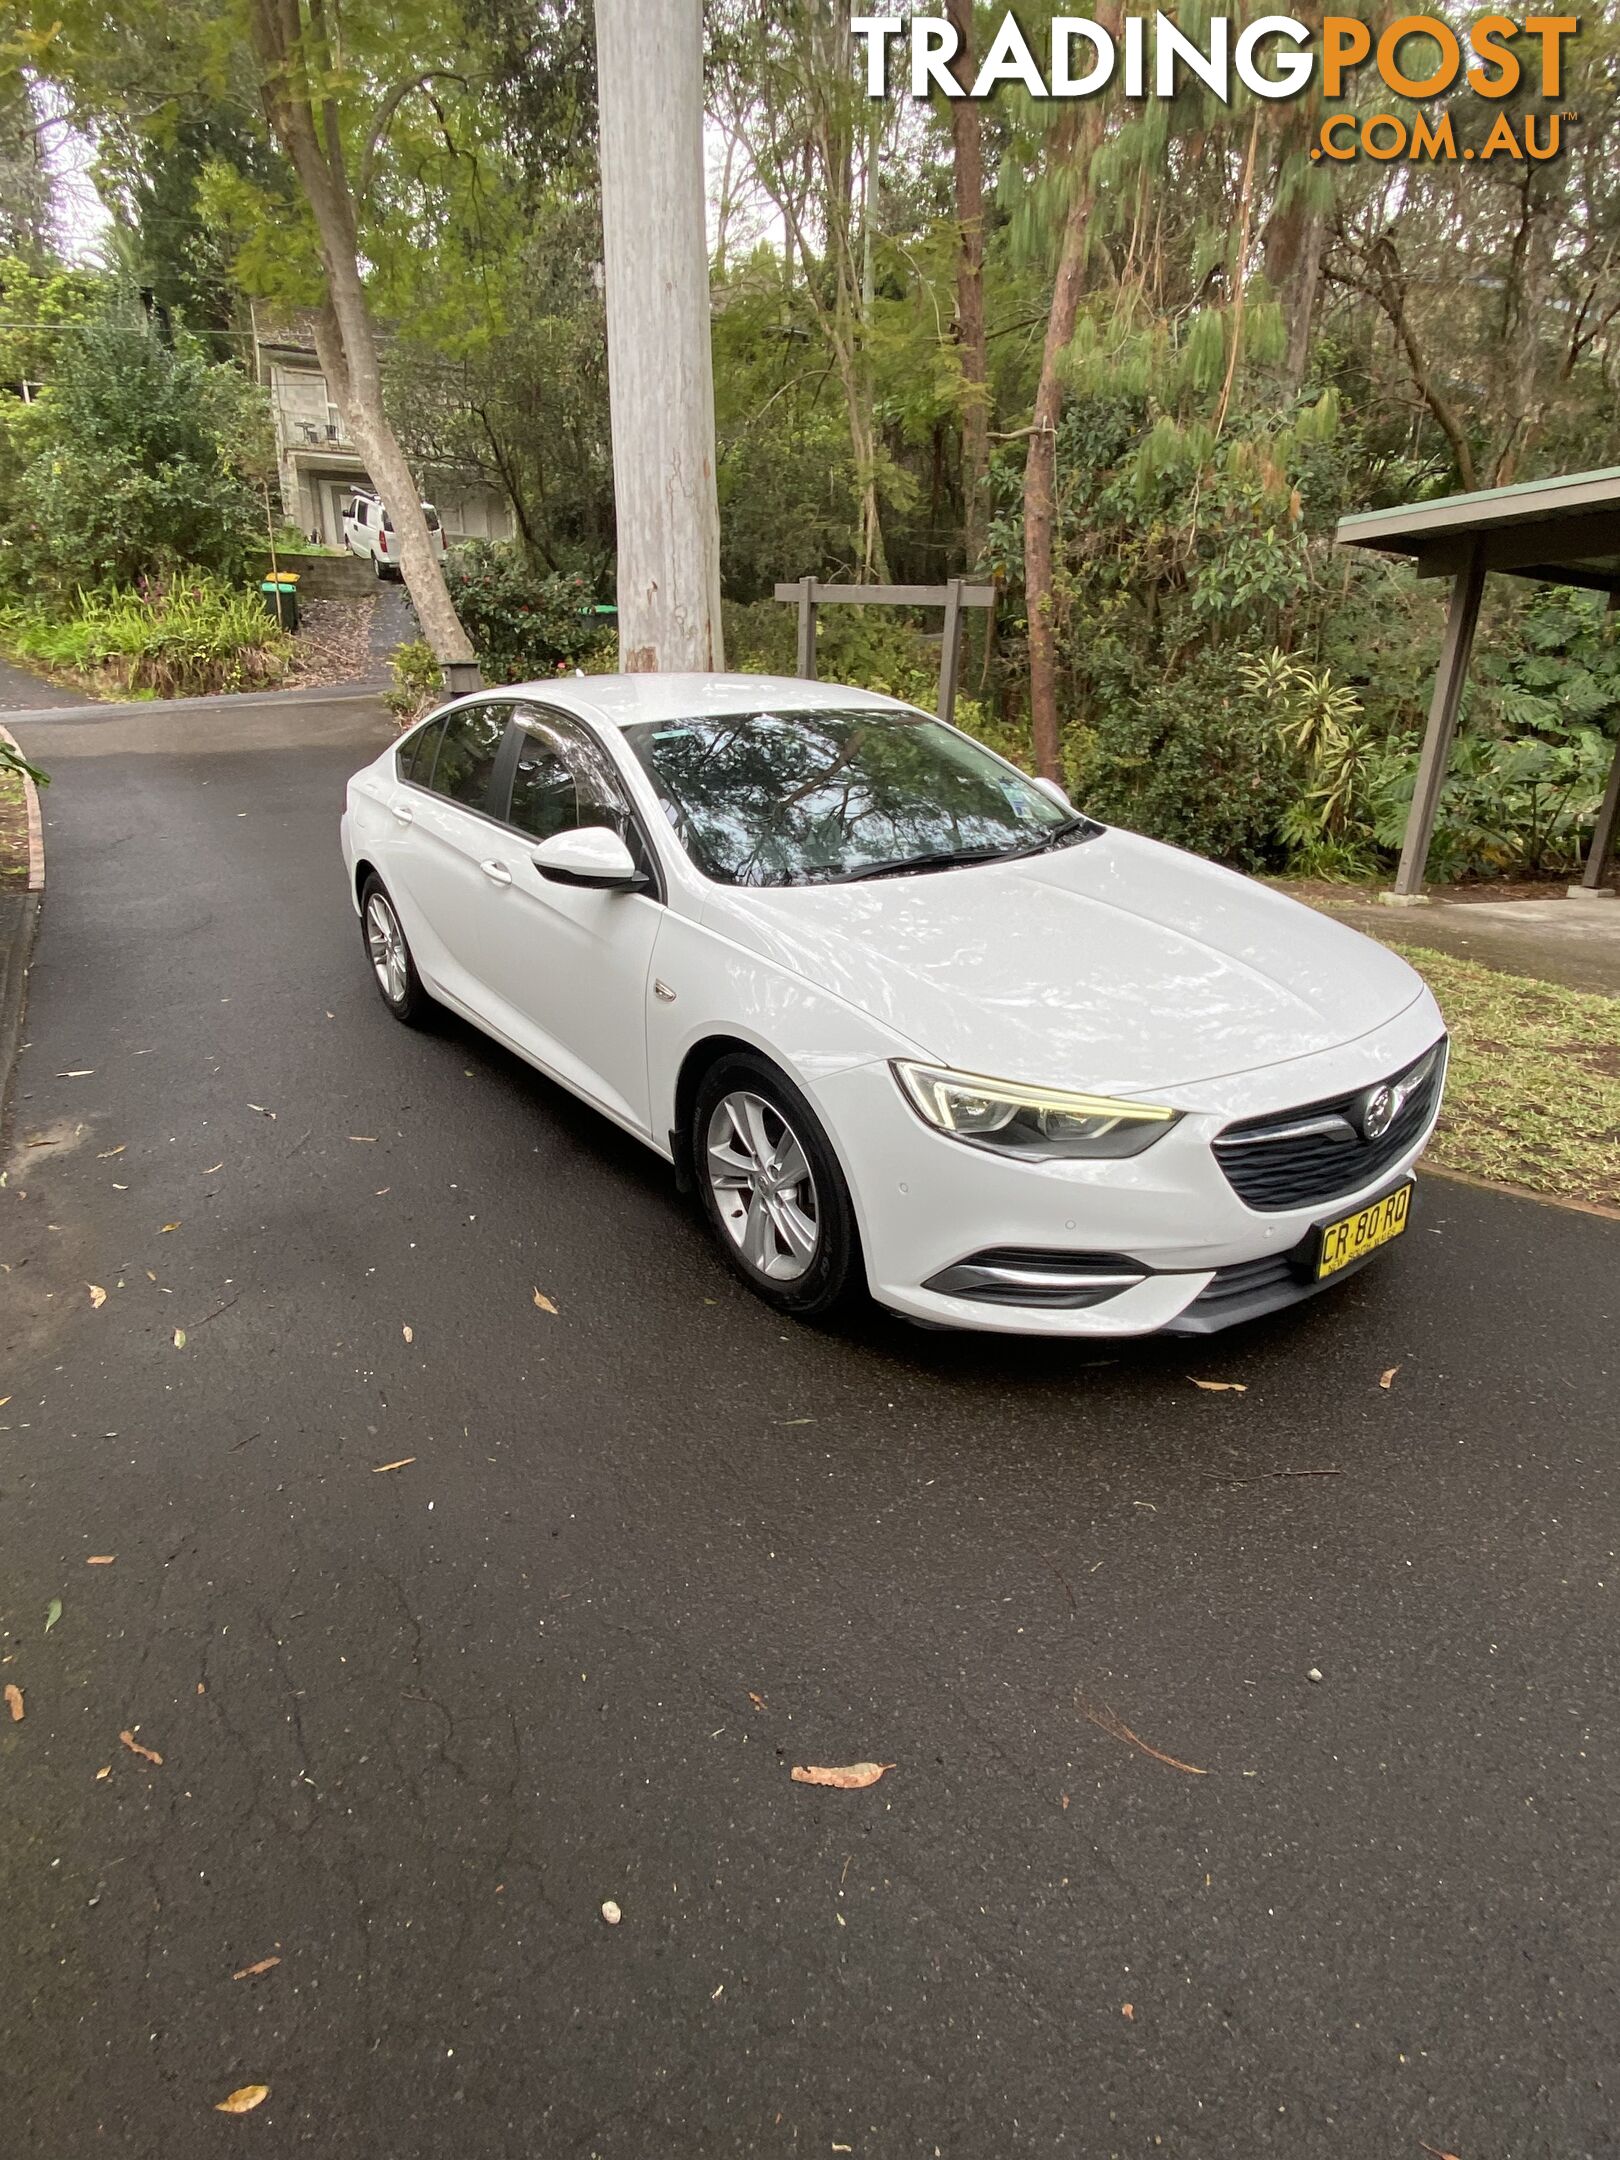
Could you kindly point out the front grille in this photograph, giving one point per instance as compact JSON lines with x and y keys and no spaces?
{"x":1273,"y":1166}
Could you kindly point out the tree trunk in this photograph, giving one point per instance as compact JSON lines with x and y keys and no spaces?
{"x":290,"y":55}
{"x":1301,"y":303}
{"x":1294,"y":239}
{"x":1040,"y":485}
{"x":967,"y":146}
{"x":660,"y":363}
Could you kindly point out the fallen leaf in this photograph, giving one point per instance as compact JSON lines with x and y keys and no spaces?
{"x":252,"y":1972}
{"x":101,"y":1559}
{"x":112,"y":1151}
{"x":98,"y":1296}
{"x":404,"y":1463}
{"x":1438,"y":2154}
{"x":53,"y":1613}
{"x":1222,"y":1387}
{"x":758,"y":1701}
{"x":146,"y":1754}
{"x":179,"y":1338}
{"x":408,"y":1334}
{"x":1128,"y":2010}
{"x":544,"y":1303}
{"x":167,"y":1227}
{"x":855,"y":1777}
{"x":243,"y":2101}
{"x":1388,"y":1380}
{"x":104,"y":1771}
{"x":14,"y":1702}
{"x":1101,"y":1716}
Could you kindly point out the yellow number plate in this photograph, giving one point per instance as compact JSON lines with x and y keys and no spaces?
{"x":1354,"y":1236}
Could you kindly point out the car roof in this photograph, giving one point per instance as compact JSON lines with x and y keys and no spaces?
{"x":623,"y":700}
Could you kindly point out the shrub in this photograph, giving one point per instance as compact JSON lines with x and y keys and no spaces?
{"x":1197,"y":761}
{"x":198,"y":638}
{"x":524,"y":625}
{"x":418,"y":680}
{"x":138,"y":460}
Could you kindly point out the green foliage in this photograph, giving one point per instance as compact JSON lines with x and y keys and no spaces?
{"x":418,"y":680}
{"x":523,"y":626}
{"x":1196,"y":760}
{"x":13,"y":761}
{"x":194,"y":637}
{"x":139,"y":458}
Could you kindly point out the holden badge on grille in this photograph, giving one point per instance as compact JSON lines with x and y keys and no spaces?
{"x":1378,"y":1110}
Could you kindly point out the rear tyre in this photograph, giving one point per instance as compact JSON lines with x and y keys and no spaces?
{"x":392,"y":968}
{"x":771,"y":1187}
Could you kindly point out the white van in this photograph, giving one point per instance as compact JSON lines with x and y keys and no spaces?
{"x":368,"y":531}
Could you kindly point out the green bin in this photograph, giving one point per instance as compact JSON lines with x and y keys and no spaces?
{"x":281,"y":598}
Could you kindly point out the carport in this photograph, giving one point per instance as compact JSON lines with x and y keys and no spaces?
{"x":1561,"y":532}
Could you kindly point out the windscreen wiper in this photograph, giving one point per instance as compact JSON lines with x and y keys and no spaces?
{"x":903,"y":865}
{"x":1070,"y":829}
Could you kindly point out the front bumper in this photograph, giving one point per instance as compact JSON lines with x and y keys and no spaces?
{"x":1200,"y":1258}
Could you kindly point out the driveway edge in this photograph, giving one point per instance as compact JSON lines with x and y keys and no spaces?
{"x":19,"y":924}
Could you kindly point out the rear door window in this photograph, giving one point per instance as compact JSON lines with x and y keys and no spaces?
{"x":466,"y":762}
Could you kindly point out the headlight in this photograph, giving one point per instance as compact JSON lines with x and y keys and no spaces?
{"x":1044,"y":1124}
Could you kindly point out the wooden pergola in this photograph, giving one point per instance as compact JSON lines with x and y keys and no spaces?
{"x":1559,"y":532}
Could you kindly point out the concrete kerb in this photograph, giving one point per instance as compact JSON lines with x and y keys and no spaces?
{"x":231,"y":701}
{"x":19,"y":925}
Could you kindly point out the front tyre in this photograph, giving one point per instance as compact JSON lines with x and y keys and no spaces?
{"x":392,"y":968}
{"x":772,"y":1189}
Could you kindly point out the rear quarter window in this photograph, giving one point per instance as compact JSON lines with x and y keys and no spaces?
{"x":417,"y":753}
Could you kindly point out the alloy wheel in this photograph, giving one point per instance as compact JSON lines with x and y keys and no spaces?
{"x":385,"y":942}
{"x":763,"y":1189}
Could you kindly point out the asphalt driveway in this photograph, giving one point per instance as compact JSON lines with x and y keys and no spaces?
{"x":452,"y":1616}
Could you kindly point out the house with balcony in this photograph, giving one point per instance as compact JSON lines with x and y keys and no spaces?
{"x":320,"y":468}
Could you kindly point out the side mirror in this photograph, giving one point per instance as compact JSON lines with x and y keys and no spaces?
{"x":1051,"y":788}
{"x":594,"y":856}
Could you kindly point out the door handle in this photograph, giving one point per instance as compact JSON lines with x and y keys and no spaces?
{"x":496,"y":872}
{"x":403,"y":813}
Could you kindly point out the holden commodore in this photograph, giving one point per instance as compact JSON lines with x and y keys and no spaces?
{"x":903,"y":1016}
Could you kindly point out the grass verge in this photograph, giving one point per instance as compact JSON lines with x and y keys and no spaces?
{"x":1534,"y":1093}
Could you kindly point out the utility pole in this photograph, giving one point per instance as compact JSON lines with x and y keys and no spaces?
{"x":649,"y":57}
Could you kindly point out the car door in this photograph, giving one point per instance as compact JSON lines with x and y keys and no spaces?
{"x":444,"y":874}
{"x":570,"y":967}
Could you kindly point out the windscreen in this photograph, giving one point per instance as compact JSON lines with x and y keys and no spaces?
{"x":797,"y":798}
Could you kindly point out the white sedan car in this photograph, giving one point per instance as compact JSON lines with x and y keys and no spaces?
{"x":901,"y":1015}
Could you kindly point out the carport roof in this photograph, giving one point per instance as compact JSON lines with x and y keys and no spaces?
{"x":1565,"y":530}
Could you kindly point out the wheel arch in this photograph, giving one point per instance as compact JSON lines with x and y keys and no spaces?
{"x":704,"y":1053}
